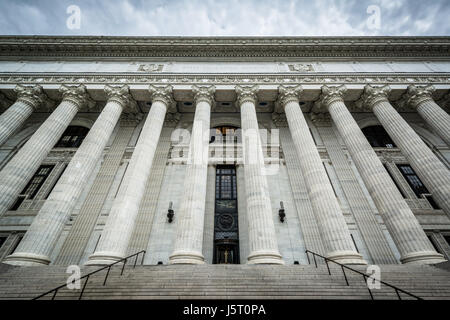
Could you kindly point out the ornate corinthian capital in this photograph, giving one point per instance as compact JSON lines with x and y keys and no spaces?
{"x":122,"y":96}
{"x":163,"y":94}
{"x":31,"y":95}
{"x":415,"y":95}
{"x":372,"y":95}
{"x":288,"y":94}
{"x":204,"y":94}
{"x":328,"y":96}
{"x":77,"y":95}
{"x":246,"y":94}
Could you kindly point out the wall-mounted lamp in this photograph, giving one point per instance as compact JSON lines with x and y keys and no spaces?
{"x":170,"y":213}
{"x":281,"y":212}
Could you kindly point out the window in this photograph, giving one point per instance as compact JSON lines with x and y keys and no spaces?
{"x":395,"y":182}
{"x":447,"y":238}
{"x":60,"y":175}
{"x":433,"y":243}
{"x":413,"y":180}
{"x":16,"y":244}
{"x":2,"y":241}
{"x":37,"y":181}
{"x":72,"y":137}
{"x":225,"y":133}
{"x":378,"y":137}
{"x":433,"y":203}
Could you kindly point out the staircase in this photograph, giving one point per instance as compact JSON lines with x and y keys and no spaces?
{"x":225,"y":282}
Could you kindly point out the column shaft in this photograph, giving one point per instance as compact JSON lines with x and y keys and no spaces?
{"x":333,"y":227}
{"x":41,"y":237}
{"x":16,"y":174}
{"x":189,"y":236}
{"x":403,"y":226}
{"x":119,"y":226}
{"x":262,"y":238}
{"x":13,"y":118}
{"x":428,"y":167}
{"x":438,"y":119}
{"x":28,"y":99}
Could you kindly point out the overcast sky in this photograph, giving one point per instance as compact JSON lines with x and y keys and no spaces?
{"x":225,"y":17}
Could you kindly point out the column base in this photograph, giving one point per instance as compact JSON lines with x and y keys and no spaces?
{"x":422,"y":257}
{"x":346,"y":257}
{"x":27,"y":259}
{"x":265,"y":257}
{"x":186,"y":257}
{"x":103,"y":258}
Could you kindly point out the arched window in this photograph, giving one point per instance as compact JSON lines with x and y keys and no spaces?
{"x":72,"y":137}
{"x":224,"y":133}
{"x":378,"y":137}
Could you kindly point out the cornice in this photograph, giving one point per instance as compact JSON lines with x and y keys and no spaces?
{"x":99,"y":46}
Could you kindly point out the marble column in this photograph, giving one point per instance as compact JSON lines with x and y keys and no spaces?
{"x":28,"y":99}
{"x":420,"y":98}
{"x":408,"y":235}
{"x":121,"y":221}
{"x":263,"y":245}
{"x":432,"y":172}
{"x":332,"y":225}
{"x":40,"y":239}
{"x":189,"y":236}
{"x":18,"y":172}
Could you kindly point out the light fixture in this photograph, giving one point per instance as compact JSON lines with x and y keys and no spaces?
{"x":281,"y":212}
{"x":170,"y":213}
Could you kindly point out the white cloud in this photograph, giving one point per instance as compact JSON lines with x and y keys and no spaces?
{"x":225,"y":17}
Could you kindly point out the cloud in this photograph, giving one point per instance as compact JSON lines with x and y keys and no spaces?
{"x":226,"y":17}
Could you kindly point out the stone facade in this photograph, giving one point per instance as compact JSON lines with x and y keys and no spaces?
{"x":149,"y":105}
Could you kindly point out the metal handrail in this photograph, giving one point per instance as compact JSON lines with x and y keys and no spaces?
{"x":55,"y":290}
{"x":365,"y":276}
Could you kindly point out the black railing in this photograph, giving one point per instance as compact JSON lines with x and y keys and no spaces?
{"x":124,"y":260}
{"x":365,"y":276}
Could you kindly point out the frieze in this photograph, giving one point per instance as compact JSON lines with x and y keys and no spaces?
{"x":242,"y":79}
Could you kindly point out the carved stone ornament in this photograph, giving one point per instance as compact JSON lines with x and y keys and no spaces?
{"x":328,"y":96}
{"x":152,"y":67}
{"x":373,"y":95}
{"x":77,"y":94}
{"x":415,"y":95}
{"x":122,"y":95}
{"x":287,"y":94}
{"x":31,"y":95}
{"x":163,"y":94}
{"x":204,"y":94}
{"x":247,"y":94}
{"x":301,"y":67}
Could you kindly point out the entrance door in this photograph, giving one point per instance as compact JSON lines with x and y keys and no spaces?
{"x":226,"y":229}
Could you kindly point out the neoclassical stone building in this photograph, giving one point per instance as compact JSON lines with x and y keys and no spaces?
{"x":224,"y":150}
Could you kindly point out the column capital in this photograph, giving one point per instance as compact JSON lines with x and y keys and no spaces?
{"x":77,"y":95}
{"x":122,"y":96}
{"x":246,"y":94}
{"x":372,"y":95}
{"x":289,"y":94}
{"x":162,"y":94}
{"x":415,"y":95}
{"x":329,"y":95}
{"x":34,"y":96}
{"x":205,"y":94}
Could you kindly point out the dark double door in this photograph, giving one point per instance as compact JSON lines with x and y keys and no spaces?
{"x":226,"y":229}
